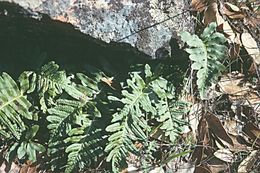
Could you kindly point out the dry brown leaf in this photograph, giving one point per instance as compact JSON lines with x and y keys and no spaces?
{"x":211,"y":13}
{"x":202,"y":129}
{"x":252,"y":21}
{"x":232,"y":84}
{"x":199,"y":5}
{"x":252,"y":99}
{"x":232,"y":11}
{"x":198,"y":153}
{"x":239,"y":144}
{"x":217,"y":128}
{"x":231,"y":126}
{"x":253,"y":132}
{"x":232,"y":7}
{"x":250,"y":45}
{"x":24,"y":168}
{"x":216,"y":165}
{"x":202,"y":169}
{"x":246,"y":165}
{"x":201,"y":141}
{"x":225,"y":155}
{"x":185,"y":167}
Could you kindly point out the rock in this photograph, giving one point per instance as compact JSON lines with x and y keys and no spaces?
{"x":147,"y":25}
{"x":30,"y":40}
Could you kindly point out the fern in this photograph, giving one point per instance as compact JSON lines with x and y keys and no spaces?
{"x":49,"y":80}
{"x":14,"y":111}
{"x":71,"y":125}
{"x":84,"y":149}
{"x":170,"y":109}
{"x":14,"y":106}
{"x":142,"y":100}
{"x":78,"y":113}
{"x":206,"y":54}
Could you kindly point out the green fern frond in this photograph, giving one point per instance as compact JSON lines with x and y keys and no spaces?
{"x":13,"y":106}
{"x":206,"y":54}
{"x":143,"y":99}
{"x":129,"y":123}
{"x":70,"y":124}
{"x":170,"y":110}
{"x":61,"y":114}
{"x":51,"y":79}
{"x":84,"y":149}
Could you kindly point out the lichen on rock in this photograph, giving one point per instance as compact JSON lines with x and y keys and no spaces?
{"x":136,"y":22}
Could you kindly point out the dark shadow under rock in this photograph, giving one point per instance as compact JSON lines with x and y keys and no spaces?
{"x":28,"y":42}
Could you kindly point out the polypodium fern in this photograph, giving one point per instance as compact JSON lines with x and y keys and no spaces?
{"x":170,"y":110}
{"x":14,"y":111}
{"x":49,"y":80}
{"x":77,"y":113}
{"x":206,"y":54}
{"x":142,"y":100}
{"x":128,"y":124}
{"x":71,"y":123}
{"x":13,"y":107}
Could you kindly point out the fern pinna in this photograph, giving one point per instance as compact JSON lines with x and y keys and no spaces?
{"x":206,"y":54}
{"x":142,"y":100}
{"x":72,"y":124}
{"x":69,"y":109}
{"x":15,"y":110}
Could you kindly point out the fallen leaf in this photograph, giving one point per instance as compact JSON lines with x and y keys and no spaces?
{"x":216,"y":165}
{"x":232,"y":7}
{"x":217,"y":128}
{"x":202,"y":169}
{"x":198,"y":153}
{"x":202,"y":141}
{"x":157,"y":170}
{"x":250,"y":45}
{"x":199,"y":5}
{"x":130,"y":169}
{"x":211,"y":13}
{"x":202,"y":129}
{"x":24,"y":168}
{"x":232,"y":84}
{"x":225,"y":155}
{"x":246,"y":165}
{"x":231,"y":126}
{"x":253,"y":132}
{"x":232,"y":11}
{"x":111,"y":83}
{"x":239,"y":144}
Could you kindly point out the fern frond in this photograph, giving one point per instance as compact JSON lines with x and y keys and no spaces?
{"x":61,"y":114}
{"x":51,"y":79}
{"x":129,"y":123}
{"x":84,"y":149}
{"x":148,"y":97}
{"x":13,"y":106}
{"x":170,"y":110}
{"x":206,"y":54}
{"x":70,"y":124}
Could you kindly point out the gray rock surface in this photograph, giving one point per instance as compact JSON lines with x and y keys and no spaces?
{"x":117,"y":20}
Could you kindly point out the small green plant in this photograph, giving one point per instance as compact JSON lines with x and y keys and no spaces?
{"x":206,"y":53}
{"x":151,"y":97}
{"x":77,"y":123}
